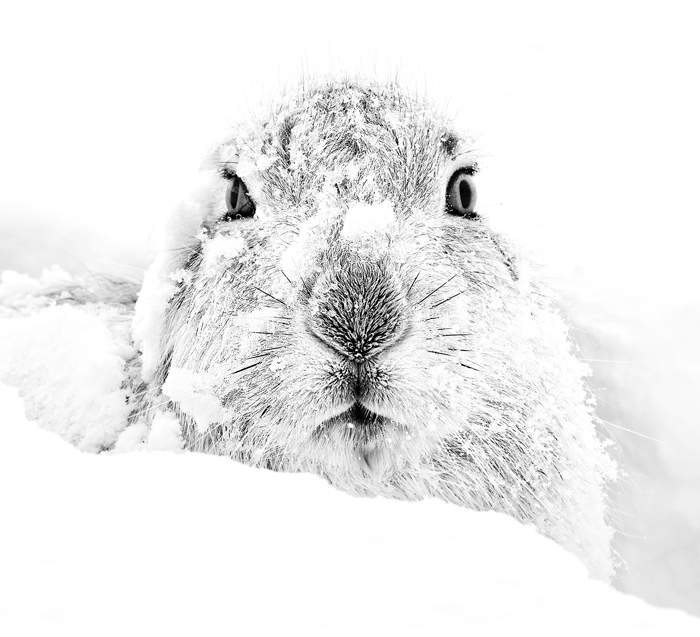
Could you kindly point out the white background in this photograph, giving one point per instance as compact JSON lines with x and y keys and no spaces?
{"x":586,"y":117}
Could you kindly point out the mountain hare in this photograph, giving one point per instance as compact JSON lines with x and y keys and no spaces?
{"x":330,"y":299}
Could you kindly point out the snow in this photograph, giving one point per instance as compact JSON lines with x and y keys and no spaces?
{"x":71,"y":369}
{"x":160,"y":543}
{"x":23,"y":292}
{"x":578,"y":108}
{"x":15,"y":284}
{"x":224,"y":246}
{"x":298,"y":257}
{"x":176,"y":235}
{"x":362,"y":220}
{"x":165,"y":434}
{"x":194,"y":393}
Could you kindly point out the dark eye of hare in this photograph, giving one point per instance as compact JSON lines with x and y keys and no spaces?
{"x":238,"y":202}
{"x":461,"y":194}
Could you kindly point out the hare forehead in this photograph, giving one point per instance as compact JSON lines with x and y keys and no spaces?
{"x":357,"y":129}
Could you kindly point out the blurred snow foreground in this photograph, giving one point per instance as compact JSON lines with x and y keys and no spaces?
{"x":156,"y":542}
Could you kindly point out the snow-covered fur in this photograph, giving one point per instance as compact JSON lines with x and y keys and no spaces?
{"x":357,"y":329}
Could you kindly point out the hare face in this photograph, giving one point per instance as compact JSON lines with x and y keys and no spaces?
{"x":342,"y":280}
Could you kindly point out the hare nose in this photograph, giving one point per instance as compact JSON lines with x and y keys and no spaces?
{"x":358,"y":310}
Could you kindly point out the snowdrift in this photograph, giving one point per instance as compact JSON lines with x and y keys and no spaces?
{"x":147,"y":543}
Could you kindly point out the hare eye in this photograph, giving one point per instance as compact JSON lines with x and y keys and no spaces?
{"x":461,"y":194}
{"x":238,"y":201}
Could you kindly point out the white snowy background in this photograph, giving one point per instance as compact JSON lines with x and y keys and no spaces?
{"x":586,"y":119}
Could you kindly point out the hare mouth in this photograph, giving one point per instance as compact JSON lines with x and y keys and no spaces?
{"x":358,"y":417}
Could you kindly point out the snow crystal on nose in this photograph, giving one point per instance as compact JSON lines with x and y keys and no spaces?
{"x":364,"y":219}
